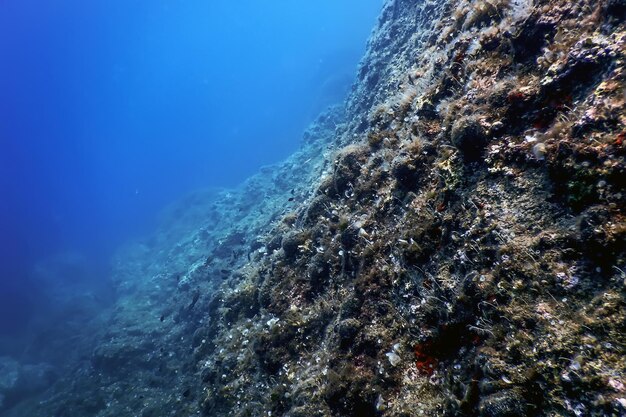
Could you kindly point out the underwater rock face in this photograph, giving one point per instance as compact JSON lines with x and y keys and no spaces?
{"x":9,"y":371}
{"x":19,"y":381}
{"x":458,"y":252}
{"x":474,"y":216}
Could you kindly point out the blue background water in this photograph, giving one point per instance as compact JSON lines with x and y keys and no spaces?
{"x":111,"y":109}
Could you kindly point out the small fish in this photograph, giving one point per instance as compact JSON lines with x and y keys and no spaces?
{"x":162,"y":318}
{"x":291,"y":198}
{"x":196,"y":297}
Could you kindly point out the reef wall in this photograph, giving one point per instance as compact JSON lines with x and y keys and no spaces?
{"x":454,"y":246}
{"x":465,"y":253}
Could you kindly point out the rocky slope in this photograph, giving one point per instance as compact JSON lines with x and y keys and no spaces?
{"x":459,"y":252}
{"x":466,"y":254}
{"x":138,"y":359}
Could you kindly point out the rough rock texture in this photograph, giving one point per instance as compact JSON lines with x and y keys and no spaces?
{"x":140,"y":359}
{"x":19,"y":381}
{"x":466,"y":254}
{"x":462,"y":253}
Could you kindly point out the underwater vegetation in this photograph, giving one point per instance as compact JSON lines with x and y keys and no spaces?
{"x":452,"y":243}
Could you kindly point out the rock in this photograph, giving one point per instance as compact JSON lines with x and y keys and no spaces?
{"x":18,"y":381}
{"x":503,"y":404}
{"x":347,"y":168}
{"x":318,"y":207}
{"x":407,"y":170}
{"x":347,"y":330}
{"x":9,"y":373}
{"x":470,"y":137}
{"x":291,"y":243}
{"x":113,"y":356}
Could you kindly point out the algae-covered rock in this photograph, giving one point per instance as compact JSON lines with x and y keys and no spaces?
{"x":459,"y":252}
{"x":470,"y":136}
{"x":504,"y":404}
{"x":293,"y":243}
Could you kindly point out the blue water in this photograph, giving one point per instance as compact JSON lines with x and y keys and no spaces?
{"x":111,"y":109}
